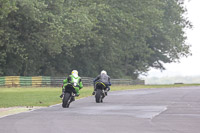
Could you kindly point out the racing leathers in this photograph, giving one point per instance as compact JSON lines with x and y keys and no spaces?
{"x":73,"y":80}
{"x":104,"y":78}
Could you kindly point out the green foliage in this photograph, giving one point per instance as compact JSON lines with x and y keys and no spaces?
{"x":126,"y":38}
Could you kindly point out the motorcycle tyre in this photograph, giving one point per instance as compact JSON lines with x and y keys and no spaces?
{"x":66,"y":100}
{"x":98,"y":96}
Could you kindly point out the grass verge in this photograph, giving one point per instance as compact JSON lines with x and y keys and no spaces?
{"x":11,"y":97}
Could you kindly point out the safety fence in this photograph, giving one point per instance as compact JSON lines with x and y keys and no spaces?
{"x":47,"y":81}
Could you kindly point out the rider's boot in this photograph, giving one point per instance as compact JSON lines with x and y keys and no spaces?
{"x":77,"y":94}
{"x":72,"y":99}
{"x":106,"y":93}
{"x":61,"y":96}
{"x":94,"y":92}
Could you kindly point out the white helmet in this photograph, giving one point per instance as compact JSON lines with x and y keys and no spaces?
{"x":75,"y":73}
{"x":103,"y":72}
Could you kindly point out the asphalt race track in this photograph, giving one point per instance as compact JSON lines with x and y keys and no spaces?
{"x":166,"y":110}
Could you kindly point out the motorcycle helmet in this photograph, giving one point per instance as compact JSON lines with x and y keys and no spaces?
{"x":75,"y":73}
{"x":103,"y":72}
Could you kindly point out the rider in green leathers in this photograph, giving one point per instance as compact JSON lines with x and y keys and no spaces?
{"x":75,"y":79}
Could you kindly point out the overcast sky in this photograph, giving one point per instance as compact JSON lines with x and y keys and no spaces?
{"x":189,"y":66}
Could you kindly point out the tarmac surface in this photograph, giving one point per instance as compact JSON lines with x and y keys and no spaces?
{"x":166,"y":110}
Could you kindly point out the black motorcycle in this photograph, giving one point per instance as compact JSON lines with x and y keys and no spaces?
{"x":101,"y":92}
{"x":69,"y":95}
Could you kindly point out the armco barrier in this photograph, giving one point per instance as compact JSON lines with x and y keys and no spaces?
{"x":25,"y":81}
{"x":127,"y":82}
{"x":45,"y":81}
{"x":2,"y":81}
{"x":12,"y":81}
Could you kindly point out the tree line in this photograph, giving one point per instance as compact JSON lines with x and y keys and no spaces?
{"x":123,"y":37}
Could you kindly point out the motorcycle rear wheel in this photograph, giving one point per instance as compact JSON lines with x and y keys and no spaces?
{"x":66,"y":100}
{"x":98,"y":96}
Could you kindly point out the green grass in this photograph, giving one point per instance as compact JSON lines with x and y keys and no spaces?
{"x":10,"y":97}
